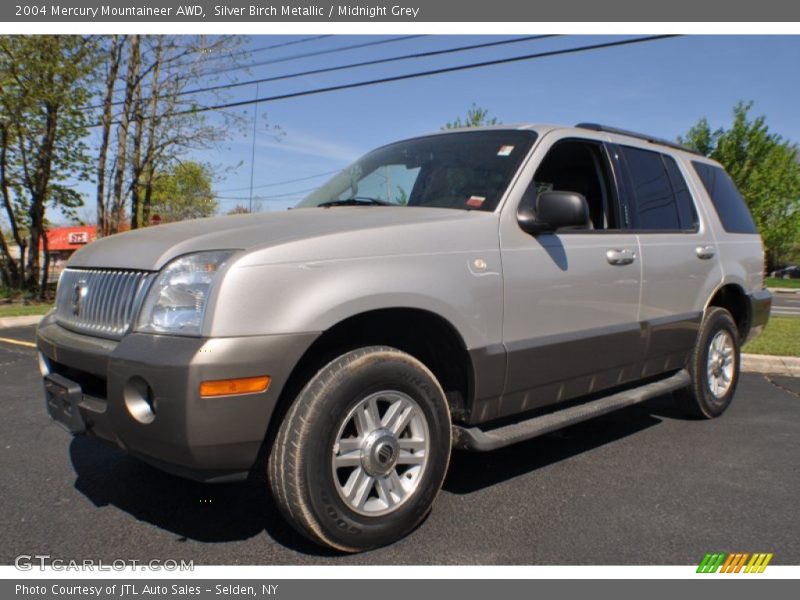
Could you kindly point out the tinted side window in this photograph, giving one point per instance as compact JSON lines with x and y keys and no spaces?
{"x":683,"y":197}
{"x":655,"y":205}
{"x":727,"y":200}
{"x":580,"y":166}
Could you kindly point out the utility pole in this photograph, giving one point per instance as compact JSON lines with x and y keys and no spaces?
{"x":253,"y":149}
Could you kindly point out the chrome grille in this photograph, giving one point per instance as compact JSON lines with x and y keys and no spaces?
{"x":100,"y":302}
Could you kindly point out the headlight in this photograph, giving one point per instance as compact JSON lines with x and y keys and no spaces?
{"x":178,"y":297}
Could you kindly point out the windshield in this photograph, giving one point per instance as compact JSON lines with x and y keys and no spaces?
{"x":467,"y":170}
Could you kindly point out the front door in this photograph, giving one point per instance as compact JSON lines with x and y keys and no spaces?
{"x":571,"y":299}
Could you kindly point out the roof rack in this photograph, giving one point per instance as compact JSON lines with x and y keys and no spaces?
{"x":641,"y":136}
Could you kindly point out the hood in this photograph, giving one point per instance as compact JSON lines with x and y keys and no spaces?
{"x":151,"y":248}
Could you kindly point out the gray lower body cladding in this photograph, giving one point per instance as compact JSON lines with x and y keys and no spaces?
{"x":474,"y":438}
{"x":545,"y":371}
{"x":216,"y":438}
{"x":760,"y":304}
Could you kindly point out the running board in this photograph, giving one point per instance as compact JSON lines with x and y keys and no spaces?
{"x":473,"y":438}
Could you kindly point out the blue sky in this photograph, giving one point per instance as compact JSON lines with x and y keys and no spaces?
{"x":660,"y":87}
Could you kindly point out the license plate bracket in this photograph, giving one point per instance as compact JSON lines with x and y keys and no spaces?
{"x":62,"y":397}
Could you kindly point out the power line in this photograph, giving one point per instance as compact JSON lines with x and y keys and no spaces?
{"x":280,"y":60}
{"x":253,"y":152}
{"x":382,"y":80}
{"x":269,"y":197}
{"x":483,"y":64}
{"x":277,"y":183}
{"x":304,"y":40}
{"x":366,"y":63}
{"x":419,"y":74}
{"x":228,"y":56}
{"x":316,"y":53}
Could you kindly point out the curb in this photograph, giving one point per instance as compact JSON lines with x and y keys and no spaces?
{"x":782,"y":291}
{"x":19,"y":321}
{"x":772,"y":365}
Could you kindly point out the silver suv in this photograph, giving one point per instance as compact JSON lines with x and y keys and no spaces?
{"x":468,"y":289}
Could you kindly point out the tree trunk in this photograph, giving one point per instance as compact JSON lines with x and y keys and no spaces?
{"x":10,"y":272}
{"x":114,"y":57}
{"x":149,"y":161}
{"x":13,"y":271}
{"x":45,"y":266}
{"x":22,"y":258}
{"x":131,"y":82}
{"x":38,"y":193}
{"x":136,"y":160}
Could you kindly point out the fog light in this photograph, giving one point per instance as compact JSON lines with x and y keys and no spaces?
{"x":230,"y":387}
{"x":139,"y":400}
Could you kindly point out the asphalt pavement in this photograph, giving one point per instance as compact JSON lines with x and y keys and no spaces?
{"x":640,"y":486}
{"x":786,"y":304}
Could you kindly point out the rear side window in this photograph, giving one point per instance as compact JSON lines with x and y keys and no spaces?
{"x":683,"y":197}
{"x":661,"y":198}
{"x":727,"y":200}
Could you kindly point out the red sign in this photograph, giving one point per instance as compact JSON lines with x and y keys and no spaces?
{"x":69,"y":238}
{"x":78,"y":237}
{"x":155,"y":220}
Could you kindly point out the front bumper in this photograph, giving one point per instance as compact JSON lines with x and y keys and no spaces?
{"x":760,"y":305}
{"x":207,"y":439}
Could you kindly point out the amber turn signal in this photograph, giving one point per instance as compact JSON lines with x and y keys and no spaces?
{"x":230,"y":387}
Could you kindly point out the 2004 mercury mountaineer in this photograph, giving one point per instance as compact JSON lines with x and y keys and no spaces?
{"x":468,"y":289}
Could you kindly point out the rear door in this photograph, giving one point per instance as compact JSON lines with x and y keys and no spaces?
{"x":571,"y":298}
{"x":679,"y":254}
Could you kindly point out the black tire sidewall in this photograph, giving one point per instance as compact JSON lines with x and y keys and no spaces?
{"x":718,"y":319}
{"x":340,"y":523}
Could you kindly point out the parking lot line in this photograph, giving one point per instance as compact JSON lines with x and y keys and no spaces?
{"x":18,"y":342}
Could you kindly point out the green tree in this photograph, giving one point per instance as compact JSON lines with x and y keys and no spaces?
{"x":148,"y":118}
{"x":44,"y":83}
{"x":253,"y":207}
{"x":239,"y":209}
{"x":476,"y":117}
{"x":765,"y":168}
{"x":184,"y":192}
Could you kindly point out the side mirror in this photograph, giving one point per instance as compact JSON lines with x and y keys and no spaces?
{"x":550,"y":211}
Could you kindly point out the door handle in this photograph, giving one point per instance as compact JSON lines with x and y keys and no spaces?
{"x":704,"y":252}
{"x":620,"y":257}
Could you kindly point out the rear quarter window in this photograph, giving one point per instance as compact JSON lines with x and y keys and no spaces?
{"x":683,"y":198}
{"x":728,"y":202}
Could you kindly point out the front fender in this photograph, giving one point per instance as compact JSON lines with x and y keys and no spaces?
{"x":316,"y":295}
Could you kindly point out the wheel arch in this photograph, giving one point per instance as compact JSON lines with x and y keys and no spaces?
{"x":442,"y":350}
{"x":732,"y":297}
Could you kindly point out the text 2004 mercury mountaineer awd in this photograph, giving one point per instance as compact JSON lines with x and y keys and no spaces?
{"x":468,"y":289}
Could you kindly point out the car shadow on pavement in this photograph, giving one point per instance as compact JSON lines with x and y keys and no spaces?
{"x":473,"y":471}
{"x":238,"y":511}
{"x":223,"y":512}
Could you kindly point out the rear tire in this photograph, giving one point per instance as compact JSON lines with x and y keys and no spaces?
{"x":363,"y":450}
{"x":713,"y":366}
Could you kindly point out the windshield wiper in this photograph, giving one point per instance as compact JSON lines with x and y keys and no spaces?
{"x":355,"y":201}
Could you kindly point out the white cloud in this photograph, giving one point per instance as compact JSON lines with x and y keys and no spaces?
{"x":298,"y":142}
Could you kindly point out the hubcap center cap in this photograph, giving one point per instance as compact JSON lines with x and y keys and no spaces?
{"x":717,"y":365}
{"x":380,"y":452}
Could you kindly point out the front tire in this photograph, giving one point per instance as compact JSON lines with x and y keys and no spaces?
{"x":363,"y":450}
{"x":713,"y":366}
